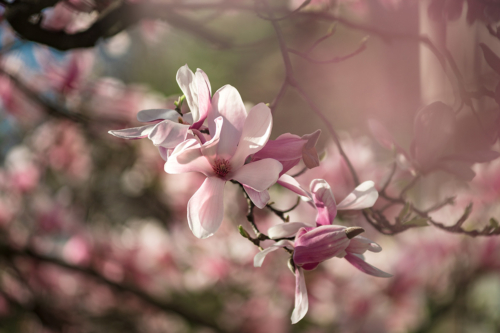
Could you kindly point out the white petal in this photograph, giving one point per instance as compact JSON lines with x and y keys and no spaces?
{"x":301,"y":300}
{"x":259,"y":257}
{"x":363,"y":196}
{"x":206,"y":208}
{"x":133,"y":133}
{"x":254,"y":135}
{"x":168,"y":134}
{"x":288,"y":229}
{"x":188,"y":84}
{"x":187,"y":157}
{"x":227,"y":103}
{"x":157,"y":114}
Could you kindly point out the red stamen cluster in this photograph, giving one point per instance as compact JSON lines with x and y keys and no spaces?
{"x":221,"y":167}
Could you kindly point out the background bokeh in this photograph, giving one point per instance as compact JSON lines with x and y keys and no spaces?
{"x":93,"y":232}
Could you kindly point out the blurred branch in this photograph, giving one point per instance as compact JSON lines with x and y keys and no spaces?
{"x":307,"y":57}
{"x":290,"y":79}
{"x":171,"y":307}
{"x":111,"y":22}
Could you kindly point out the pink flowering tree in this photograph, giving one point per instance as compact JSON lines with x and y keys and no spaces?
{"x":163,"y":231}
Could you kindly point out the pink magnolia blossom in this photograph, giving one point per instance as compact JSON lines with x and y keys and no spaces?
{"x":236,"y":136}
{"x":321,"y":197}
{"x":171,"y":128}
{"x":316,"y":244}
{"x":288,"y":149}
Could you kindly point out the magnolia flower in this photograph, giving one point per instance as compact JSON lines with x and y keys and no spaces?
{"x":316,"y":244}
{"x":434,"y":145}
{"x":236,"y":136}
{"x":173,"y":128}
{"x":321,"y":197}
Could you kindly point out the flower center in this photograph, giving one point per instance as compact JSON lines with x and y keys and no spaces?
{"x":221,"y":167}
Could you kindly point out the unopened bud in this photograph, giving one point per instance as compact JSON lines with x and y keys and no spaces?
{"x":353,"y":232}
{"x":243,"y":232}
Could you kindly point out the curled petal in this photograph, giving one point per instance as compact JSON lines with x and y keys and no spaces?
{"x":461,"y":169}
{"x":206,"y":208}
{"x":301,"y":301}
{"x":357,"y":261}
{"x":258,"y":175}
{"x":133,"y":133}
{"x":360,"y":244}
{"x":363,"y":196}
{"x":254,"y":135}
{"x":260,"y":199}
{"x":324,"y":201}
{"x":157,"y":114}
{"x":168,"y":134}
{"x":186,"y":80}
{"x":288,"y":229}
{"x":259,"y":257}
{"x":290,"y":183}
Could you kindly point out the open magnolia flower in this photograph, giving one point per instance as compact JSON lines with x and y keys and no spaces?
{"x":170,"y":128}
{"x":316,"y":244}
{"x":321,"y":197}
{"x":236,"y":136}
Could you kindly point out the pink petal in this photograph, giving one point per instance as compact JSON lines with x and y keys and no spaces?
{"x":319,"y":244}
{"x":187,"y":157}
{"x":258,"y":175}
{"x":434,"y":132}
{"x":301,"y":301}
{"x":363,"y":196}
{"x":133,"y":133}
{"x":259,"y":257}
{"x":260,"y":199}
{"x":157,"y":114}
{"x":189,"y":86}
{"x":205,"y":209}
{"x":227,"y":103}
{"x":285,"y":230}
{"x":309,"y":153}
{"x":290,"y":183}
{"x":168,"y":134}
{"x":204,"y":97}
{"x":324,"y":201}
{"x":285,"y":148}
{"x":357,"y":261}
{"x":254,"y":134}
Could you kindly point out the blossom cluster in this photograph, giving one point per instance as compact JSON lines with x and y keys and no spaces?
{"x":218,"y":139}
